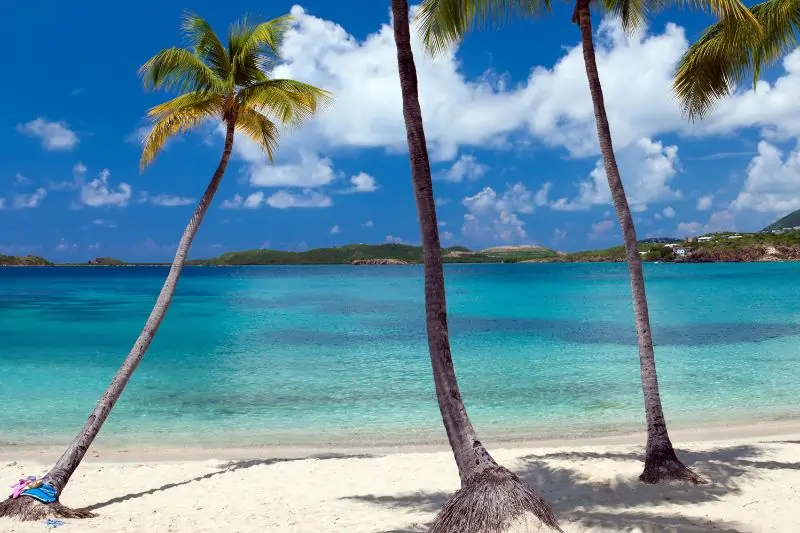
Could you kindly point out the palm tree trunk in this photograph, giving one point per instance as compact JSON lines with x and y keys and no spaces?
{"x":660,"y":459}
{"x":60,"y":474}
{"x":477,"y":469}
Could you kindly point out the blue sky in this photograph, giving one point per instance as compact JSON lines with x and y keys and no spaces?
{"x":508,"y":119}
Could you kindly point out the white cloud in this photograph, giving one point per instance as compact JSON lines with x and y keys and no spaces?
{"x":29,"y":201}
{"x":465,"y":168}
{"x":772,"y":184}
{"x":170,"y":200}
{"x":394,"y":240}
{"x":232,"y":203}
{"x":2,"y":203}
{"x":552,"y":104}
{"x":447,"y":236}
{"x":53,"y":135}
{"x":362,"y":182}
{"x":368,"y":224}
{"x":254,"y":200}
{"x":442,"y":201}
{"x":719,"y":221}
{"x":311,"y":171}
{"x":646,"y":169}
{"x":704,"y":202}
{"x":601,"y":228}
{"x":307,"y":198}
{"x":98,"y":193}
{"x":103,"y":222}
{"x":95,"y":246}
{"x":668,"y":212}
{"x":20,"y":180}
{"x":335,"y":230}
{"x":491,"y":217}
{"x":63,"y":246}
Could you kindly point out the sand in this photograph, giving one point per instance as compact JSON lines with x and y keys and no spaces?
{"x":755,"y":486}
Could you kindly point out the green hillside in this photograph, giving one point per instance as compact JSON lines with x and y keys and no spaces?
{"x":789,"y":221}
{"x":28,"y":260}
{"x":351,"y":252}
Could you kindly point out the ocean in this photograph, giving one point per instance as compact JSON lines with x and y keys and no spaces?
{"x":336,"y":355}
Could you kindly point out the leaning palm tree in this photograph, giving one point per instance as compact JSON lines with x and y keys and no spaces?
{"x":491,"y":497}
{"x":231,"y":85}
{"x":730,"y":50}
{"x":445,"y":22}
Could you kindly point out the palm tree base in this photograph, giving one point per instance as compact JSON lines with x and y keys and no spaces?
{"x":28,"y":509}
{"x":662,"y":465}
{"x":494,"y":501}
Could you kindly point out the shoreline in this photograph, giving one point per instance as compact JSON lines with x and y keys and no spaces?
{"x":109,"y":450}
{"x":592,"y":486}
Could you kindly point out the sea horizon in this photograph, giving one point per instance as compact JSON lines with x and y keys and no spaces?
{"x":335,"y":356}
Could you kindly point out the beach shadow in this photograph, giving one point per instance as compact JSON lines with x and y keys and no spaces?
{"x":577,"y":500}
{"x":224,"y":468}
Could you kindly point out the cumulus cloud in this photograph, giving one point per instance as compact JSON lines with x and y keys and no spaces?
{"x":362,"y":182}
{"x":309,"y":172}
{"x":772,"y":184}
{"x":394,"y":240}
{"x":334,"y":230}
{"x":368,"y":224}
{"x":646,"y":168}
{"x":29,"y":201}
{"x":719,"y":221}
{"x":98,"y":192}
{"x":54,"y":136}
{"x":704,"y":202}
{"x":306,"y":198}
{"x":493,"y":217}
{"x":466,"y":168}
{"x":668,"y":212}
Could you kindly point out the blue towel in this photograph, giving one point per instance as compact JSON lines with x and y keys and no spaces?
{"x":53,"y":523}
{"x":45,"y":494}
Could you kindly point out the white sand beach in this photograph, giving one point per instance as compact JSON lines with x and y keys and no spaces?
{"x":754,"y":474}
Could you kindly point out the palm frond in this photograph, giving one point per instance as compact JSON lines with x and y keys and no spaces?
{"x":632,"y":14}
{"x":260,"y":129}
{"x":205,"y":44}
{"x":734,"y":9}
{"x":441,"y":23}
{"x":178,"y":68}
{"x":177,"y":116}
{"x":254,"y":49}
{"x":731,"y":49}
{"x":289,"y":102}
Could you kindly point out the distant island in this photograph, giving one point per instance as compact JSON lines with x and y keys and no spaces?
{"x":773,"y":245}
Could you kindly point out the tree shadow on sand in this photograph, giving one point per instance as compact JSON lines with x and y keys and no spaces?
{"x":621,"y":504}
{"x":230,"y":466}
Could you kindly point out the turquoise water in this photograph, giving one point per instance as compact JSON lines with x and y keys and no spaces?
{"x":337,"y":355}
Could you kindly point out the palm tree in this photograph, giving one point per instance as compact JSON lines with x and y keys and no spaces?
{"x":445,"y":22}
{"x":731,"y":49}
{"x":215,"y":83}
{"x":491,"y":497}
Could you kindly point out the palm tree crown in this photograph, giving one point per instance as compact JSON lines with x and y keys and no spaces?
{"x":731,"y":49}
{"x":445,"y":22}
{"x":230,"y":83}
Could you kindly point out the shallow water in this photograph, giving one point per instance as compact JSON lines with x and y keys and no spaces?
{"x":337,"y":354}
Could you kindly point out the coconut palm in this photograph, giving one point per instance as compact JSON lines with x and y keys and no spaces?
{"x":445,"y":22}
{"x":231,"y":85}
{"x":731,"y":49}
{"x":491,"y":497}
